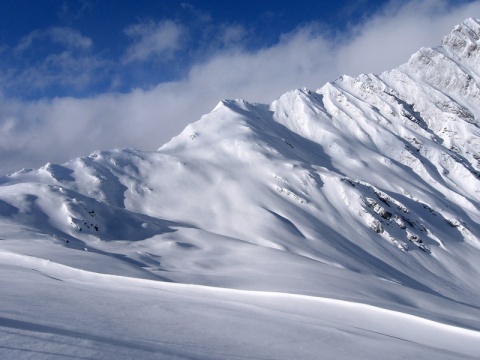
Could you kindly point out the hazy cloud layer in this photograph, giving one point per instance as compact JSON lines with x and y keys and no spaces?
{"x":55,"y":130}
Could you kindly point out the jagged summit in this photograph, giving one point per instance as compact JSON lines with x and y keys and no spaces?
{"x":365,"y":190}
{"x":464,"y":40}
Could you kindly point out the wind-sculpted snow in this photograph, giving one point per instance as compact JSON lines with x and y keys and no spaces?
{"x":365,"y":191}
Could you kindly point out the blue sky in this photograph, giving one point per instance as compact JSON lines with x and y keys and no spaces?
{"x":82,"y":75}
{"x":86,"y":47}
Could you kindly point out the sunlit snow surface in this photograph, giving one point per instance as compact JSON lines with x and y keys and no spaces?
{"x":339,"y":223}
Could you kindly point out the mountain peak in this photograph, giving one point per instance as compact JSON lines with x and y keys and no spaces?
{"x":464,"y":39}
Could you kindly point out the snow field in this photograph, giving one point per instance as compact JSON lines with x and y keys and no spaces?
{"x":126,"y":317}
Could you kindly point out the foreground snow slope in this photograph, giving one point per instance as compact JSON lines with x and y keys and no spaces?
{"x":104,"y":316}
{"x":341,"y":220}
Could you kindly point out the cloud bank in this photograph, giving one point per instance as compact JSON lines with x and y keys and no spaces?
{"x":33,"y":132}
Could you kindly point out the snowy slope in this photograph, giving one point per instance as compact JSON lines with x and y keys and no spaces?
{"x":341,"y":220}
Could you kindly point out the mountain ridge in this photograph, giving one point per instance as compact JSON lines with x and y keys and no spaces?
{"x":365,"y":190}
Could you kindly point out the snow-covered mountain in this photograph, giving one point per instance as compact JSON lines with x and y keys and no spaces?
{"x":344,"y":220}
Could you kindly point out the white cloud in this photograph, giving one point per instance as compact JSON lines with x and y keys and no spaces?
{"x":197,"y":13}
{"x":233,"y":34}
{"x":74,"y":10}
{"x":72,"y":64}
{"x":33,"y":133}
{"x":299,"y":59}
{"x":65,"y":69}
{"x":70,"y":38}
{"x":62,"y":35}
{"x":154,"y":40}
